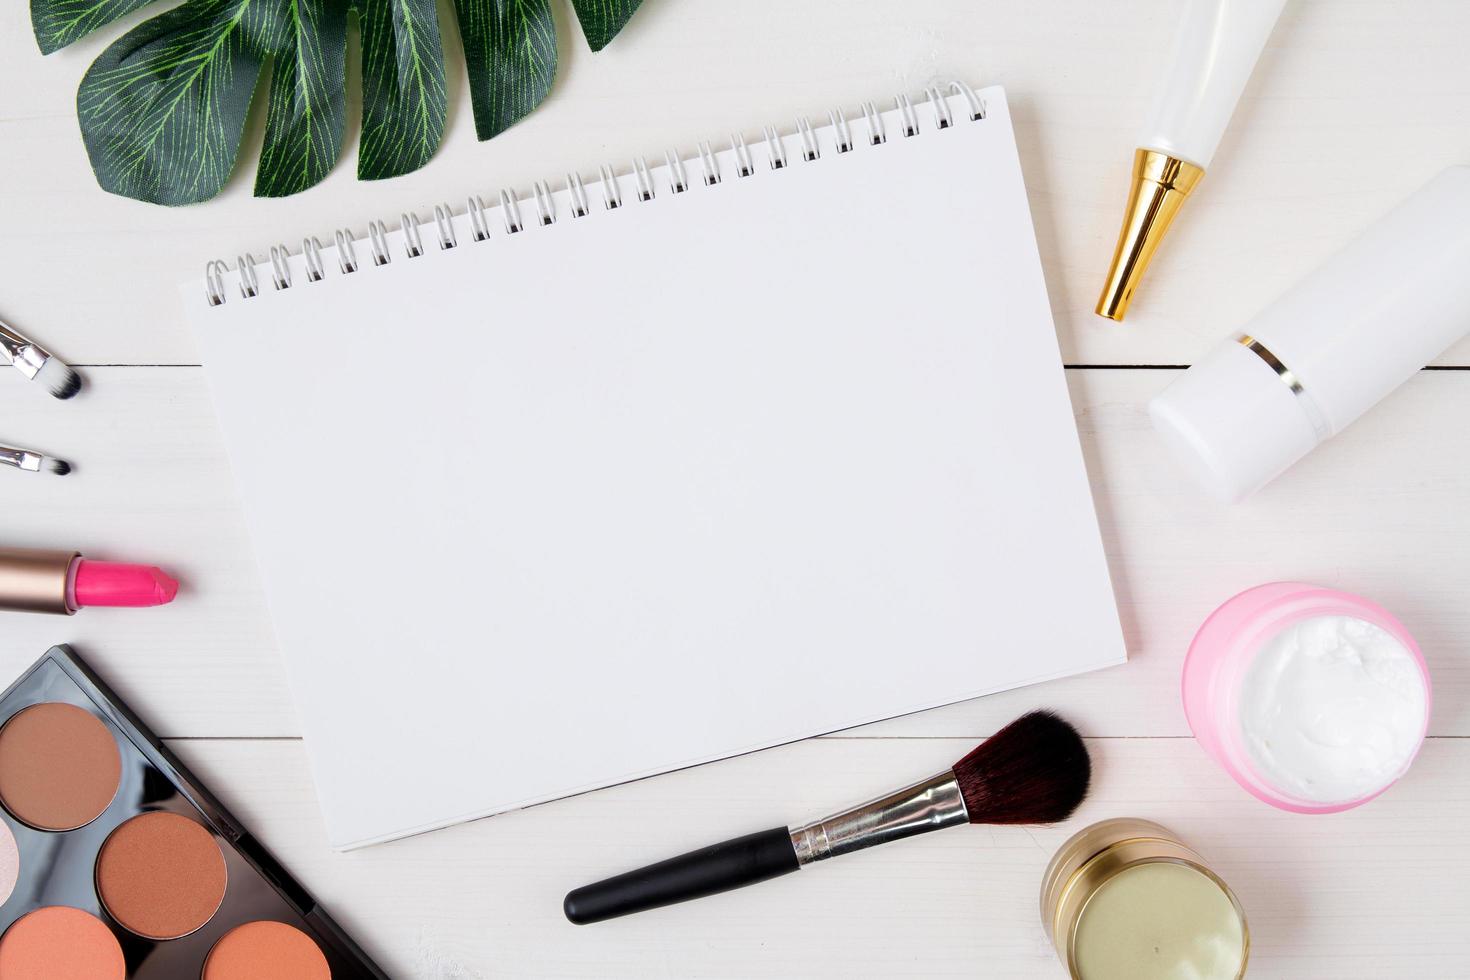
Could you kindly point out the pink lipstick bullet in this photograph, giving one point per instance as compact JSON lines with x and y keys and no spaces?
{"x":63,"y":582}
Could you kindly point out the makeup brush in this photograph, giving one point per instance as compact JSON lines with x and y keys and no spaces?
{"x":1035,"y":770}
{"x":37,"y":363}
{"x":33,"y":462}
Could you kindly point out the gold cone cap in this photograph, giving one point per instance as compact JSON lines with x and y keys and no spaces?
{"x":1160,"y":185}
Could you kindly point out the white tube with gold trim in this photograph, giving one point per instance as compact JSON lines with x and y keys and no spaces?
{"x":1329,"y":348}
{"x":1215,"y":50}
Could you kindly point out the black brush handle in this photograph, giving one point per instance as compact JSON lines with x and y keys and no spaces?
{"x":707,"y":871}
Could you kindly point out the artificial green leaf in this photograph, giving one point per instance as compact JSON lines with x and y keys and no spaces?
{"x":162,"y":109}
{"x":57,"y":23}
{"x":403,"y":96}
{"x":602,"y":19}
{"x":510,"y":50}
{"x":307,"y":112}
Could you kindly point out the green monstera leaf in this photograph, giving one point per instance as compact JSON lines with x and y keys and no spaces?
{"x":602,"y":19}
{"x":510,"y":51}
{"x":163,"y":109}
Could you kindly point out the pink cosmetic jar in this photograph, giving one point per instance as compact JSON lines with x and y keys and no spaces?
{"x":1312,"y":699}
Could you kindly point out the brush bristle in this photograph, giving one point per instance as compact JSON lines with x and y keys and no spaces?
{"x":58,"y":466}
{"x":59,"y":379}
{"x":1034,"y":770}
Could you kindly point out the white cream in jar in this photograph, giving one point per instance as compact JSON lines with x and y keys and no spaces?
{"x":1332,"y":709}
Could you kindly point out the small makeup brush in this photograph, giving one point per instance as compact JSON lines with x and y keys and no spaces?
{"x":1035,"y":770}
{"x":37,"y":363}
{"x":33,"y":462}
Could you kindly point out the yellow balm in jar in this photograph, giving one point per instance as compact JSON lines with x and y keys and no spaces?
{"x":1127,"y":900}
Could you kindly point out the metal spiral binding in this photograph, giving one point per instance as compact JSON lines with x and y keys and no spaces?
{"x":612,"y":195}
{"x":910,"y":118}
{"x":578,"y":193}
{"x":809,"y":149}
{"x":311,"y":252}
{"x":877,"y":133}
{"x":743,"y":165}
{"x":941,"y":107}
{"x":839,"y":126}
{"x":214,"y":281}
{"x":249,"y":285}
{"x":644,"y":178}
{"x":545,"y":204}
{"x":977,"y":108}
{"x":680,"y":183}
{"x":280,"y":271}
{"x":510,"y":210}
{"x":475,"y":208}
{"x":413,"y":244}
{"x":378,"y":235}
{"x":443,"y":221}
{"x":578,"y":199}
{"x":346,"y":251}
{"x":777,"y":148}
{"x":711,"y":164}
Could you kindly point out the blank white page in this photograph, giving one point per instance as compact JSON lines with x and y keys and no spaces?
{"x":696,"y":475}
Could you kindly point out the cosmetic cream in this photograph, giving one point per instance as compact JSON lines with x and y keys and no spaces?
{"x":1216,"y":46}
{"x":1314,"y":700}
{"x":1125,"y":899}
{"x":1332,"y":708}
{"x":1328,"y":349}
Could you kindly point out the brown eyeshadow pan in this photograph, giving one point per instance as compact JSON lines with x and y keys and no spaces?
{"x":266,"y":949}
{"x":59,"y":766}
{"x":161,"y":875}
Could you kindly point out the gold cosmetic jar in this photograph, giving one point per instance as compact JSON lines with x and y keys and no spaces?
{"x":1125,"y":899}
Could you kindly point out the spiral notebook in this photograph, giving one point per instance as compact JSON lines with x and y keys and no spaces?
{"x":636,"y":470}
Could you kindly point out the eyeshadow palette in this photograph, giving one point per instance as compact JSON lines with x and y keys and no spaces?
{"x":117,"y":864}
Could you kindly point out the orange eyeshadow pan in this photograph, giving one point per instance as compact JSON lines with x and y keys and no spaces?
{"x":60,"y":943}
{"x":266,"y":949}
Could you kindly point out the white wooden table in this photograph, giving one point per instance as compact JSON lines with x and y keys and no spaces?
{"x":1355,"y":103}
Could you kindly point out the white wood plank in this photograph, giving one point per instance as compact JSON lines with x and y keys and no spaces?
{"x":1372,"y":893}
{"x":1353,"y":106}
{"x":1380,"y":511}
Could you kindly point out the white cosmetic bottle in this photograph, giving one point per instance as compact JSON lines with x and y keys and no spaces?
{"x":1329,"y":348}
{"x":1216,"y":47}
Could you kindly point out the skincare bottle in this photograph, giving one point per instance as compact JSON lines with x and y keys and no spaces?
{"x":1328,"y":349}
{"x":1216,"y":47}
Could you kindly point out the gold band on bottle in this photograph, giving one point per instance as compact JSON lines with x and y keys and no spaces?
{"x":1160,"y":185}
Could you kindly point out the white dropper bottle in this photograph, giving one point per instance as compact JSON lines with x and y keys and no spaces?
{"x":1215,"y":50}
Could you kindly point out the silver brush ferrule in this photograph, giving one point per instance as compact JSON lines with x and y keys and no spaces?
{"x":27,"y":355}
{"x":931,"y":804}
{"x":21,"y":459}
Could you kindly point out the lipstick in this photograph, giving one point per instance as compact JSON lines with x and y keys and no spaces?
{"x":1215,"y":50}
{"x":63,"y":581}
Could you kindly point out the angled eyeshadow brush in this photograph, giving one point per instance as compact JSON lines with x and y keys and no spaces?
{"x":1035,"y":770}
{"x":33,"y":462}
